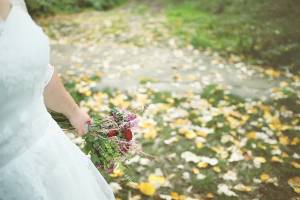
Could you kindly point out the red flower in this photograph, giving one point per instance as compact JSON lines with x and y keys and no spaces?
{"x":112,"y":133}
{"x":124,"y":147}
{"x":127,"y":134}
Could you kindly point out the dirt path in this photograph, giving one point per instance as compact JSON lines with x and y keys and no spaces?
{"x":132,"y":44}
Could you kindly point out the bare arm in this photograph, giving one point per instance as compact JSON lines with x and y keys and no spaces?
{"x":58,"y":99}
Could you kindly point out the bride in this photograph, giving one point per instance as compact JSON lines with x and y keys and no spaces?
{"x":37,"y":160}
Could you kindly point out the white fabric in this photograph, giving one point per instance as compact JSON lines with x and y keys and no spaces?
{"x":37,"y":160}
{"x":19,"y":3}
{"x":50,"y":71}
{"x":1,"y":26}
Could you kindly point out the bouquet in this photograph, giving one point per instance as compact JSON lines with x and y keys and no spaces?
{"x":110,"y":140}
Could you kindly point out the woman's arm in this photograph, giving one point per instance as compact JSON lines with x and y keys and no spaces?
{"x":58,"y":99}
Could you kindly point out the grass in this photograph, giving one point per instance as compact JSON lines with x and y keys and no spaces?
{"x":238,"y":27}
{"x":199,"y":28}
{"x":212,"y":124}
{"x":214,"y":146}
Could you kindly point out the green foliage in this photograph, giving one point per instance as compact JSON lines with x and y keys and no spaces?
{"x":53,"y":6}
{"x":102,"y":150}
{"x":103,"y":4}
{"x":265,"y":30}
{"x":221,"y":126}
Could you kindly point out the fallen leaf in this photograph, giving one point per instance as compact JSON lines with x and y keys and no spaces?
{"x":242,"y":188}
{"x":202,"y":165}
{"x":224,"y":189}
{"x":230,"y":175}
{"x":190,"y":157}
{"x":264,"y":177}
{"x":258,"y":161}
{"x":147,"y":188}
{"x":295,"y":183}
{"x":276,"y":159}
{"x":157,"y":181}
{"x":284,"y":140}
{"x":295,"y":164}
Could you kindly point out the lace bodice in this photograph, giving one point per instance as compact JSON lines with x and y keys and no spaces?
{"x":24,"y":73}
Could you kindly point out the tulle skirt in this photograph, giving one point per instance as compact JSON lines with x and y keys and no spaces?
{"x":54,"y":168}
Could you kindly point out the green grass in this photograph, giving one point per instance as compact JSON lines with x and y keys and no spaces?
{"x":246,"y":172}
{"x":199,"y":28}
{"x":44,"y":7}
{"x":250,"y":29}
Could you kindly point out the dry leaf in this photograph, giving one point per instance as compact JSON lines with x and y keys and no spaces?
{"x":242,"y":188}
{"x":264,"y":177}
{"x":147,"y":188}
{"x":295,"y":183}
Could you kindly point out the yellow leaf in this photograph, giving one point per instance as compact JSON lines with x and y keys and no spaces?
{"x":234,"y":123}
{"x":285,"y":155}
{"x":272,"y":72}
{"x":146,"y":124}
{"x":176,"y":196}
{"x":251,"y":135}
{"x":217,"y":169}
{"x":195,"y":170}
{"x":117,"y":173}
{"x":199,"y":145}
{"x":201,"y":133}
{"x":150,"y":134}
{"x":297,"y":190}
{"x":295,"y":183}
{"x":276,"y":159}
{"x":156,"y":180}
{"x":260,"y":159}
{"x":264,"y":177}
{"x":295,"y":141}
{"x":268,"y":116}
{"x":202,"y":164}
{"x":147,"y":188}
{"x":210,"y":195}
{"x":295,"y":164}
{"x":190,"y":134}
{"x":284,"y":84}
{"x":181,"y":122}
{"x":242,"y":188}
{"x":88,"y":93}
{"x":120,"y":101}
{"x":284,"y":140}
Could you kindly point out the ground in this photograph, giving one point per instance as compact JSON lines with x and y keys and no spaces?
{"x":218,"y":128}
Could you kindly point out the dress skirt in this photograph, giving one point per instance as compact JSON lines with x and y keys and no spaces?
{"x":53,"y":168}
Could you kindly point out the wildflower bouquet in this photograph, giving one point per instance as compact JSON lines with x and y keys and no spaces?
{"x":110,"y":140}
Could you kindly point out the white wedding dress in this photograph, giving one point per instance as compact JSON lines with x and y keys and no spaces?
{"x":37,"y":160}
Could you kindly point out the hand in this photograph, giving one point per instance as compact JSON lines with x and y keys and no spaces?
{"x":78,"y":120}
